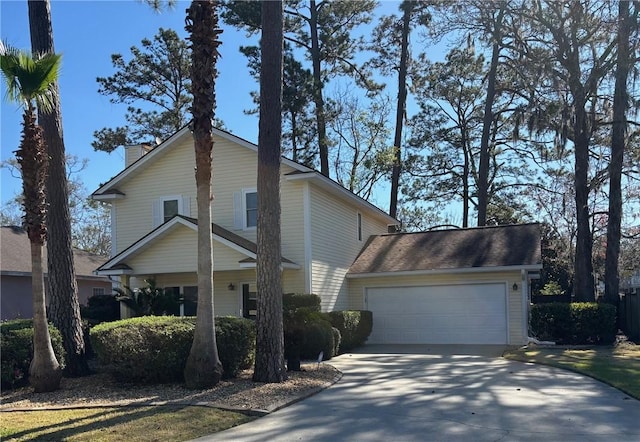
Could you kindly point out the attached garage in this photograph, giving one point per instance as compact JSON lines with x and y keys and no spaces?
{"x":461,"y":286}
{"x":439,"y":314}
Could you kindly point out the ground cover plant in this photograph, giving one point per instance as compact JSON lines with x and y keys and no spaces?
{"x":618,"y":365}
{"x":113,"y":423}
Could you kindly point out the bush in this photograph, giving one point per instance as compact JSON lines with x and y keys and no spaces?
{"x":16,"y":351}
{"x":575,"y":323}
{"x":306,"y":334}
{"x":236,"y":340}
{"x":101,"y":308}
{"x":154,"y":349}
{"x":354,"y":325}
{"x":294,"y":301}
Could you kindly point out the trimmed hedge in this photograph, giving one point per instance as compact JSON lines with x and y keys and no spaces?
{"x":354,"y":325}
{"x":16,"y":351}
{"x":294,"y":301}
{"x":154,"y":349}
{"x":576,"y":323}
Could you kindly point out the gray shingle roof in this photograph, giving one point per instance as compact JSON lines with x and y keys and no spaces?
{"x":16,"y":254}
{"x":484,"y":247}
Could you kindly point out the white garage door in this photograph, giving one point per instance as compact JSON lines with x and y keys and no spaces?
{"x":445,"y":314}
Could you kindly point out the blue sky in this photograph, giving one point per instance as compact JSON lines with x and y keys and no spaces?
{"x":86,"y":33}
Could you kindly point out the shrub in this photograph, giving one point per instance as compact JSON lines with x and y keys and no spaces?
{"x":154,"y":349}
{"x":575,"y":323}
{"x":236,"y":340}
{"x":16,"y":351}
{"x":354,"y":325}
{"x":306,"y":334}
{"x":294,"y":301}
{"x":101,"y":308}
{"x":148,"y":349}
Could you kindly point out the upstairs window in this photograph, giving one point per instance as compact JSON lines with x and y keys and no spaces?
{"x":359,"y":226}
{"x":170,"y":208}
{"x":251,"y":209}
{"x":166,"y":207}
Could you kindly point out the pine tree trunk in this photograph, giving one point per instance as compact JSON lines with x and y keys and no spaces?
{"x":487,"y":121}
{"x":64,"y":307}
{"x":584,"y":288}
{"x":269,"y":364}
{"x":400,"y":109}
{"x":323,"y":144}
{"x":612,"y":254}
{"x":203,"y":368}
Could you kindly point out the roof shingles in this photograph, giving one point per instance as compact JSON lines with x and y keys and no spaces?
{"x":496,"y":246}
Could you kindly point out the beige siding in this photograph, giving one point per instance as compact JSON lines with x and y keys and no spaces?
{"x":175,"y":252}
{"x":170,"y":175}
{"x":516,"y":301}
{"x":335,"y":245}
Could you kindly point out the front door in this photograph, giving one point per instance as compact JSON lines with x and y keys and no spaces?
{"x":249,"y":301}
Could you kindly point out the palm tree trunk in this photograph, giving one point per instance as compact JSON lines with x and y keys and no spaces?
{"x":203,"y":368}
{"x":64,"y":307}
{"x":44,"y":372}
{"x":269,"y":365}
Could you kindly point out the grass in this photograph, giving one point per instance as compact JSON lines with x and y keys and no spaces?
{"x":135,"y":424}
{"x":618,"y":366}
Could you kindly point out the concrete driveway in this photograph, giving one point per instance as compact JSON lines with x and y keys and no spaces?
{"x":432,"y":393}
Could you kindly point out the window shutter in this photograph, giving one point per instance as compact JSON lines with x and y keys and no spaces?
{"x":157,"y":213}
{"x":237,"y":211}
{"x":186,"y":206}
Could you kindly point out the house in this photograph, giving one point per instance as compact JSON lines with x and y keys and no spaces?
{"x":15,"y":274}
{"x":334,"y":244}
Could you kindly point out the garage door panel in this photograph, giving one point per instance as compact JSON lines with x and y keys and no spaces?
{"x":453,"y":314}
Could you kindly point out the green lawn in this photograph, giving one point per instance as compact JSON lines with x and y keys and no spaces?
{"x":135,"y":424}
{"x":617,"y":366}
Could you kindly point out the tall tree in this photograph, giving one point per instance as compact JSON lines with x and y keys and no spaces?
{"x":323,"y":30}
{"x":155,"y":84}
{"x":391,"y":44}
{"x":64,"y":307}
{"x":269,"y":365}
{"x":493,"y":18}
{"x":574,"y":48}
{"x":620,"y":102}
{"x":297,"y":120}
{"x":203,"y":368}
{"x":29,"y":81}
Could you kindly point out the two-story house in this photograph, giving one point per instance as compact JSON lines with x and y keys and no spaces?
{"x":334,"y":244}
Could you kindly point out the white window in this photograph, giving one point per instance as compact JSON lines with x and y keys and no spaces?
{"x":98,"y":291}
{"x":170,"y":208}
{"x":167,"y":207}
{"x":359,"y":226}
{"x":245,"y":209}
{"x":250,"y":208}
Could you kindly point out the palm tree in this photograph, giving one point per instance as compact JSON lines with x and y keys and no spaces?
{"x":203,"y":368}
{"x":29,"y":79}
{"x":64,"y":306}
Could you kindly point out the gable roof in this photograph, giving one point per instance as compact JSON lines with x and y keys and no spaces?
{"x":109,"y":190}
{"x":480,"y":249}
{"x":15,"y":258}
{"x":248,"y":248}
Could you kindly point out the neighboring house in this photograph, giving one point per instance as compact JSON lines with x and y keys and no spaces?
{"x":15,"y":274}
{"x":327,"y":232}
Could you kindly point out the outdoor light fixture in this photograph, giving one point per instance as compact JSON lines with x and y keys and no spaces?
{"x":231,"y":286}
{"x":515,"y":286}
